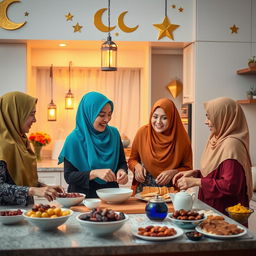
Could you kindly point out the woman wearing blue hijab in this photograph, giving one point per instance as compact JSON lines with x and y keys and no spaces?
{"x":93,"y":153}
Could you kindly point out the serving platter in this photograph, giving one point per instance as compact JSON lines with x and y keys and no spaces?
{"x":147,"y":199}
{"x":151,"y":238}
{"x":198,"y":229}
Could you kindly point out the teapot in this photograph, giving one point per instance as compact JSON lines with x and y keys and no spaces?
{"x":182,"y":200}
{"x":156,"y":209}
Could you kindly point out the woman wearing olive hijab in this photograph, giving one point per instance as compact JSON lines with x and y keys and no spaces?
{"x":18,"y":167}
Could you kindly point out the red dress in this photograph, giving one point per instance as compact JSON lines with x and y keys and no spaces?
{"x":225,"y":186}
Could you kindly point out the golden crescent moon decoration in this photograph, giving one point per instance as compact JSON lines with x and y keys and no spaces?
{"x":122,"y":26}
{"x":5,"y":22}
{"x":98,"y":21}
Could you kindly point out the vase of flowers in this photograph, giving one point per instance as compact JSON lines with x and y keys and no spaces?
{"x":39,"y":139}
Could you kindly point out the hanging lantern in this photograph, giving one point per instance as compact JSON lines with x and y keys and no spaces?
{"x":69,"y":97}
{"x":109,"y":50}
{"x":52,"y":108}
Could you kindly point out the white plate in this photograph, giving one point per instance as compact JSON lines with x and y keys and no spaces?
{"x":138,"y":196}
{"x":198,"y":229}
{"x":151,"y":238}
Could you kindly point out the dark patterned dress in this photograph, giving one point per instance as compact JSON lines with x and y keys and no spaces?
{"x":10,"y":193}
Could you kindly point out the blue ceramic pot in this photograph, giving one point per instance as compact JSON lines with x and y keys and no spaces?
{"x":156,"y":209}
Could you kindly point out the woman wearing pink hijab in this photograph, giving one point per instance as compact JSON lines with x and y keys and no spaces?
{"x":225,"y":178}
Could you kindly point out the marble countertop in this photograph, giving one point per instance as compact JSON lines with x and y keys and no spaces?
{"x":49,"y":165}
{"x":72,"y":239}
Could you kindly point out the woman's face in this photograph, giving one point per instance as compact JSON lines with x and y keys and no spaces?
{"x":159,"y":120}
{"x":30,"y":120}
{"x":210,"y":124}
{"x":103,"y":118}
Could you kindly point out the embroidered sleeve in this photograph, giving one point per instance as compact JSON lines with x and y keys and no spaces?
{"x":11,"y":194}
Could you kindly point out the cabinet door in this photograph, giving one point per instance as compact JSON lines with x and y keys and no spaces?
{"x":49,"y":178}
{"x":188,"y":74}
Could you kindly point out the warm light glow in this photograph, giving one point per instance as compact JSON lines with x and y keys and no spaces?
{"x":109,"y":55}
{"x":52,"y":112}
{"x":62,"y":45}
{"x":69,"y":100}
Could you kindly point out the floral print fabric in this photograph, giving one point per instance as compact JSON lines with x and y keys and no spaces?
{"x":11,"y":194}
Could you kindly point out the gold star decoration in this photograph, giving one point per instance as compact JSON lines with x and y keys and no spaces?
{"x":77,"y":27}
{"x":166,"y":28}
{"x":181,"y":9}
{"x":26,"y":13}
{"x":69,"y":16}
{"x":234,"y":29}
{"x":173,"y":6}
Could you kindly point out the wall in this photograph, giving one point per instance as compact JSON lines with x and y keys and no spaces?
{"x":219,"y":53}
{"x":165,"y":68}
{"x":12,"y":67}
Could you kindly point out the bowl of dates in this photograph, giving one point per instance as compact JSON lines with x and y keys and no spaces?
{"x":70,"y":199}
{"x":194,"y":235}
{"x":102,"y":221}
{"x":186,"y":219}
{"x":11,"y":216}
{"x":47,"y":217}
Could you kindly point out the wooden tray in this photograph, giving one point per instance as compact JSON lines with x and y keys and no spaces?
{"x":132,"y":205}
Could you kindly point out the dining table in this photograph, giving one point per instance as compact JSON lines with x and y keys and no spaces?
{"x":24,"y":239}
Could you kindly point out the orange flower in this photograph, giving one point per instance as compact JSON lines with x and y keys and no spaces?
{"x":39,"y":138}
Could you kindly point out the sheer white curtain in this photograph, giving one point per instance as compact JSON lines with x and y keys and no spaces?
{"x":122,"y":87}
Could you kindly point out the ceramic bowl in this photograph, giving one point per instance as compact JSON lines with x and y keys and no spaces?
{"x":101,"y":228}
{"x":91,"y":203}
{"x":194,"y":235}
{"x":187,"y":224}
{"x":240,"y":217}
{"x":114,"y":195}
{"x":48,"y":223}
{"x":11,"y":219}
{"x":70,"y":201}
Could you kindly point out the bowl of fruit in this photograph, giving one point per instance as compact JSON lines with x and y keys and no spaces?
{"x":102,"y":221}
{"x":186,"y":219}
{"x":47,"y":217}
{"x":70,"y":199}
{"x":11,"y":216}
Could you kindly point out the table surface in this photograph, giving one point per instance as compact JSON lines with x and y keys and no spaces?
{"x":25,"y":239}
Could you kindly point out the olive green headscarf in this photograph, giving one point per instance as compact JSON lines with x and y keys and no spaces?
{"x":15,"y":149}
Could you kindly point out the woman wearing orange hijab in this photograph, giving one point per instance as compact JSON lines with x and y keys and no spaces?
{"x":225,"y":178}
{"x":160,"y":149}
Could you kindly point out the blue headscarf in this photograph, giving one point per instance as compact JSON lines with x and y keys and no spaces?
{"x":87,"y":148}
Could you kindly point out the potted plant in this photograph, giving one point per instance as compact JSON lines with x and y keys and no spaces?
{"x":252,"y":62}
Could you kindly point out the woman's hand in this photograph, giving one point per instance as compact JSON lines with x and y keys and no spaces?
{"x":121,"y":177}
{"x":139,"y":173}
{"x":165,"y":177}
{"x":105,"y":174}
{"x":48,"y":192}
{"x":177,"y":176}
{"x":184,"y":183}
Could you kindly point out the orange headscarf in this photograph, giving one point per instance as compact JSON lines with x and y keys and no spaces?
{"x":162,"y":151}
{"x":15,"y":149}
{"x":229,"y":141}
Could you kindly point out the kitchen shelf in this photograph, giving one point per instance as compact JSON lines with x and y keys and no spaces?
{"x":246,"y":71}
{"x":253,"y":101}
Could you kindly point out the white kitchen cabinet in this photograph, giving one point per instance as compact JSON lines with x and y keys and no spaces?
{"x":188,"y":73}
{"x":252,"y":218}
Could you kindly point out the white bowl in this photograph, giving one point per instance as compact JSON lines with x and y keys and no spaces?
{"x":11,"y":219}
{"x":70,"y":201}
{"x":187,"y":224}
{"x":48,"y":223}
{"x":101,"y":228}
{"x":114,"y":195}
{"x":91,"y":203}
